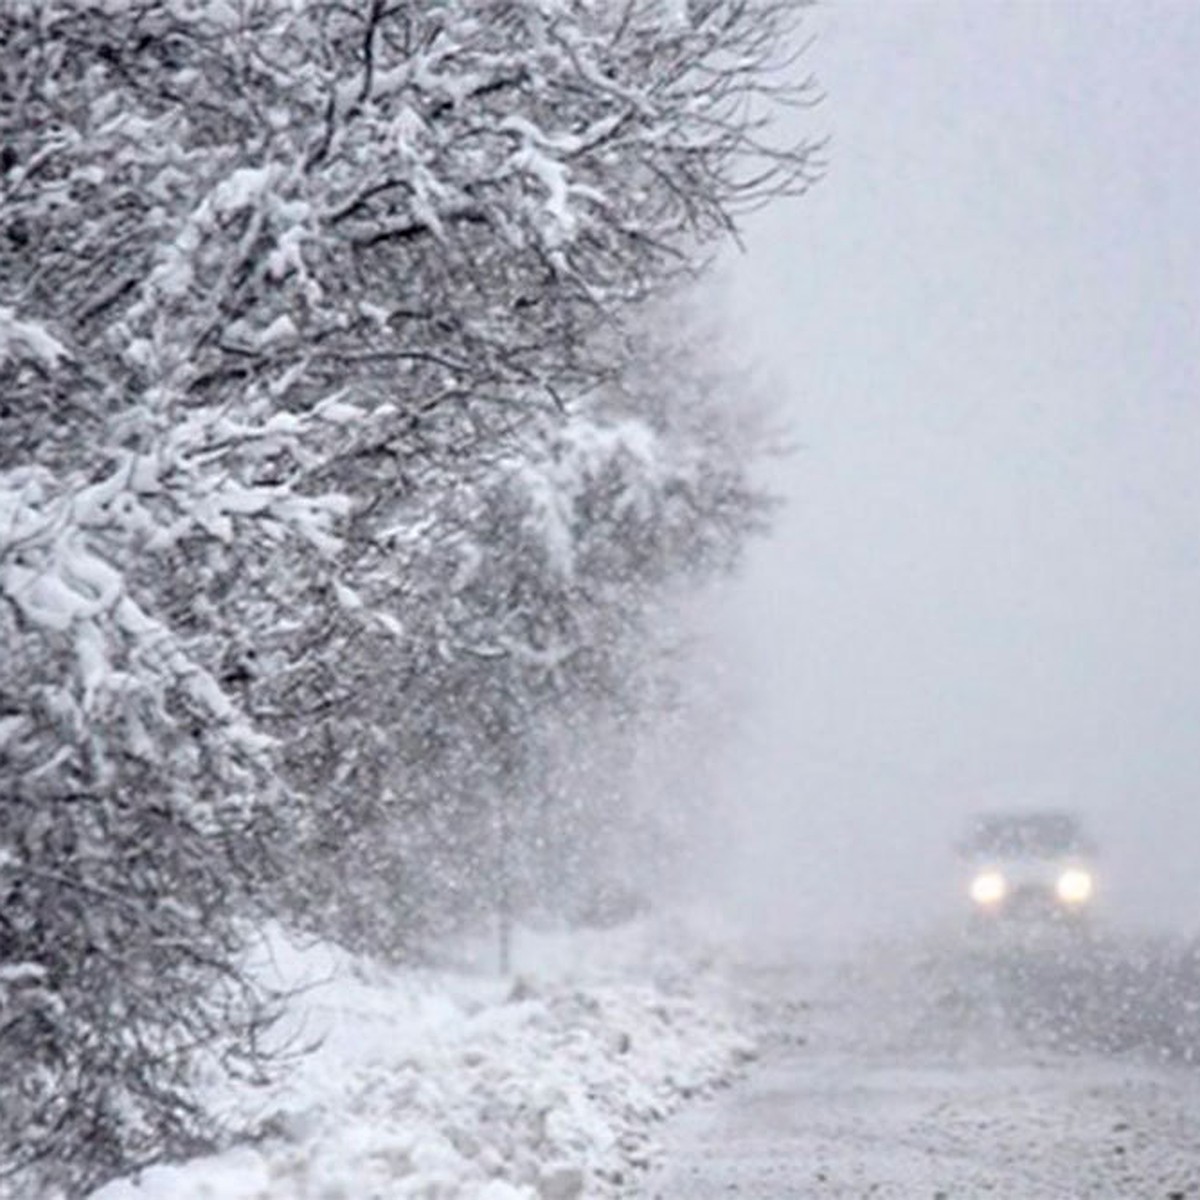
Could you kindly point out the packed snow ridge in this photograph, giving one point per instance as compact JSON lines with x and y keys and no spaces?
{"x":458,"y":1084}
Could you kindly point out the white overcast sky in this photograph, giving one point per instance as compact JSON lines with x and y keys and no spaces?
{"x":984,"y":328}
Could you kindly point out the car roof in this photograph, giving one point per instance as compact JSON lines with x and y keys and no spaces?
{"x":1025,"y":832}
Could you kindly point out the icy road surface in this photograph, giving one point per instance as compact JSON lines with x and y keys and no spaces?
{"x":1058,"y":1070}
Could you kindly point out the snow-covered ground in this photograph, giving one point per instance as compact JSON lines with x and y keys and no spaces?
{"x":458,"y":1084}
{"x":906,"y":1069}
{"x":957,"y":1075}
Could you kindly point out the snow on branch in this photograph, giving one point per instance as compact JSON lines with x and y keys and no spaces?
{"x":27,"y":340}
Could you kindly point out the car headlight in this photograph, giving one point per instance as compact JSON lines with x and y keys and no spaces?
{"x":988,"y":888}
{"x":1074,"y":886}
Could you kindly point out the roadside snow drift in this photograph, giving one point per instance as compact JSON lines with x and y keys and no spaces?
{"x":442,"y":1085}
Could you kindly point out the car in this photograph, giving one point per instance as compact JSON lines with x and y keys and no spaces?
{"x":1029,"y":865}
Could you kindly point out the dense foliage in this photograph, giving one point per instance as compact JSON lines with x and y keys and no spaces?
{"x":346,"y":455}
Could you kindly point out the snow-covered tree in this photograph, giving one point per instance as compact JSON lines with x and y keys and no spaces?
{"x":525,"y":613}
{"x":320,"y":450}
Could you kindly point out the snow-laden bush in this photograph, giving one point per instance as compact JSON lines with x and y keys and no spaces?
{"x":334,"y":497}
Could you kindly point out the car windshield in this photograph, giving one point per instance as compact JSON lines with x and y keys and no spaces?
{"x":1026,"y":835}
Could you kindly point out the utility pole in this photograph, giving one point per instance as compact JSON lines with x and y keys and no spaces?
{"x":502,"y":831}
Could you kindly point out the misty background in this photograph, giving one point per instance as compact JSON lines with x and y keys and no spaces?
{"x":981,"y":329}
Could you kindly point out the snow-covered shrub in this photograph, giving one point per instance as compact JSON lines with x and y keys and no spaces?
{"x":330,"y":501}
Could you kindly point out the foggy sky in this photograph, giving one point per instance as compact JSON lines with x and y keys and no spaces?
{"x":984,"y":329}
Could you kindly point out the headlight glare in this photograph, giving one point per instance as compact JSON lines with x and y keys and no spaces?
{"x":988,"y":888}
{"x":1074,"y":886}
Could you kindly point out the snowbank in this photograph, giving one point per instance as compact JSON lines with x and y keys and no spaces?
{"x":441,"y":1085}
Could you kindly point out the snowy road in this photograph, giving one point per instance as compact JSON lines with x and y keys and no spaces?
{"x":1025,"y":1076}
